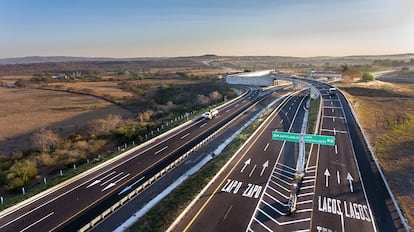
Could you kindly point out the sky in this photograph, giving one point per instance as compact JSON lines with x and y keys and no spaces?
{"x":168,"y":28}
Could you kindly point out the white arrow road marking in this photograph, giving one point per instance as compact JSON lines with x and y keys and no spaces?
{"x":114,"y":183}
{"x":100,"y":180}
{"x":247,"y":162}
{"x":267,"y":145}
{"x":251,"y":172}
{"x":327,"y":174}
{"x":338,"y":177}
{"x":350,"y":179}
{"x":127,"y":188}
{"x":265,"y":165}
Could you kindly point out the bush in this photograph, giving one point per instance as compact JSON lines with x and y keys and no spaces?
{"x":21,"y":173}
{"x":367,"y":76}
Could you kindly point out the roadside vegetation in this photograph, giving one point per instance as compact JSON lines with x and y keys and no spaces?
{"x":155,"y":104}
{"x":386,"y":112}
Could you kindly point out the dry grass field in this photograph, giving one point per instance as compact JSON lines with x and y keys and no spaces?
{"x":23,"y":111}
{"x":389,"y":124}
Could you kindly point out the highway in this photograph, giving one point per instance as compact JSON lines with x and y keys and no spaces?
{"x":340,"y":191}
{"x":83,"y":198}
{"x":257,"y":179}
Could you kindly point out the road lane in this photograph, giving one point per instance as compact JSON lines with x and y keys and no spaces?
{"x":230,"y":201}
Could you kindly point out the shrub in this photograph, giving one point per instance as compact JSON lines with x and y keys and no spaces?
{"x":20,"y":173}
{"x":367,"y":76}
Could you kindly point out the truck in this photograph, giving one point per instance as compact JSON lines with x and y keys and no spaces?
{"x":211,"y":114}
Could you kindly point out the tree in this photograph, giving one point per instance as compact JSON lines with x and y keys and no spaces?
{"x":366,"y":76}
{"x":20,"y":174}
{"x":44,"y":139}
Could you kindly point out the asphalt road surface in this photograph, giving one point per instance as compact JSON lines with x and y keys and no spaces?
{"x":70,"y":207}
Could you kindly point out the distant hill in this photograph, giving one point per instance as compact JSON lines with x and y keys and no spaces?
{"x":47,"y":59}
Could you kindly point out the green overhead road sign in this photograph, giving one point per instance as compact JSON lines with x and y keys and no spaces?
{"x":285,"y":136}
{"x":308,"y":138}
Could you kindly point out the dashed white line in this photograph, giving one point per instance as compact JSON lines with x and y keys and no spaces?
{"x":267,"y":145}
{"x":202,"y":125}
{"x":162,"y":149}
{"x":227,"y":111}
{"x":185,"y":136}
{"x":281,"y":121}
{"x":338,"y":177}
{"x":251,"y":172}
{"x":336,"y":149}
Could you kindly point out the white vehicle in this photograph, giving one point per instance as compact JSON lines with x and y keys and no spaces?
{"x":332,"y":91}
{"x":211,"y":114}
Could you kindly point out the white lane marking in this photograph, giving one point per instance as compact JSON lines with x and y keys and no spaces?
{"x":227,"y":111}
{"x":267,"y":145}
{"x":254,"y":167}
{"x":162,"y":149}
{"x":227,"y":213}
{"x":334,"y":131}
{"x":290,"y":108}
{"x":247,"y":162}
{"x":338,"y":177}
{"x":350,"y":179}
{"x":43,"y":218}
{"x":336,"y":149}
{"x":265,"y":165}
{"x":185,"y":136}
{"x":308,"y":187}
{"x":333,"y":119}
{"x":305,"y":194}
{"x":104,"y":183}
{"x":100,"y":180}
{"x":281,"y":121}
{"x":114,"y":183}
{"x":236,"y":105}
{"x":333,"y":110}
{"x":203,"y":125}
{"x":327,"y":174}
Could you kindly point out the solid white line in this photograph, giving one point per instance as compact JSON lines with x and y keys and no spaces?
{"x":43,"y":218}
{"x":287,"y":167}
{"x":185,"y":135}
{"x":280,"y":186}
{"x":304,"y":202}
{"x":122,"y":178}
{"x":260,"y":223}
{"x":104,"y":183}
{"x":304,"y":210}
{"x":202,"y":125}
{"x":254,"y":167}
{"x":274,"y":209}
{"x":162,"y":149}
{"x":308,"y":187}
{"x":283,"y":170}
{"x":274,"y":190}
{"x":267,"y":145}
{"x":280,"y":203}
{"x":305,"y":194}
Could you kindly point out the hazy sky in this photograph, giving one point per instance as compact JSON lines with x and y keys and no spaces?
{"x":138,"y":28}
